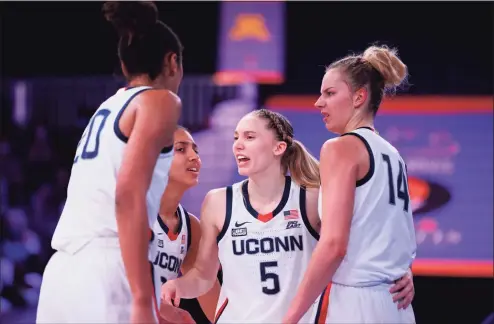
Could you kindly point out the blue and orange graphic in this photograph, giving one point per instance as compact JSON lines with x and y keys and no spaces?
{"x":251,"y":43}
{"x":249,"y":26}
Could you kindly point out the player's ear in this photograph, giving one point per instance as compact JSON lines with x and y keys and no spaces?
{"x":279,"y":148}
{"x":171,"y":62}
{"x":360,"y":97}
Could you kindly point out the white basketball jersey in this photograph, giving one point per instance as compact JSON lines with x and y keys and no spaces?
{"x":263,"y":257}
{"x":382,"y":242}
{"x":89,"y":210}
{"x":168,"y":249}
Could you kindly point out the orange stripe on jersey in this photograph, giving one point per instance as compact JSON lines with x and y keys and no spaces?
{"x":265,"y":217}
{"x":322,"y":308}
{"x":220,"y":311}
{"x":172,"y":236}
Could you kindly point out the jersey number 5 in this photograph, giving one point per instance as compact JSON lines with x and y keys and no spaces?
{"x":401,"y":184}
{"x":92,"y":136}
{"x":265,"y":276}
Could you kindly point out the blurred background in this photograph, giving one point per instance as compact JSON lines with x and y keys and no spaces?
{"x":59,"y":62}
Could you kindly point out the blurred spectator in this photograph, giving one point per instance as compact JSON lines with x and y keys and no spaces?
{"x":13,"y":187}
{"x":40,"y":150}
{"x":46,"y":205}
{"x":40,"y":158}
{"x":22,"y":264}
{"x":33,"y":188}
{"x":21,"y":245}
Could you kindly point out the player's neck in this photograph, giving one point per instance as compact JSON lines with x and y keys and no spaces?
{"x":359,"y":121}
{"x":145,"y":81}
{"x":264,"y":187}
{"x":170,"y":201}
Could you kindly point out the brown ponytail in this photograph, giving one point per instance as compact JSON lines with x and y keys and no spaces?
{"x":303,"y":167}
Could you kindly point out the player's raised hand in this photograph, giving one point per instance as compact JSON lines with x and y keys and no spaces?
{"x":170,"y":294}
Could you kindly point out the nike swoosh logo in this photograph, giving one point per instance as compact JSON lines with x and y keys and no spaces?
{"x":237,"y":224}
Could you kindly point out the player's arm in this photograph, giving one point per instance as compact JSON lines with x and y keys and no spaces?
{"x":202,"y":277}
{"x":209,"y":300}
{"x":156,"y":117}
{"x":339,"y":173}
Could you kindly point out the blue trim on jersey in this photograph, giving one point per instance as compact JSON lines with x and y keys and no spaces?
{"x":366,"y":127}
{"x":152,"y":276}
{"x":228,"y":214}
{"x":116,"y":124}
{"x":189,"y":228}
{"x":303,"y":212}
{"x":278,"y":209}
{"x":370,"y":173}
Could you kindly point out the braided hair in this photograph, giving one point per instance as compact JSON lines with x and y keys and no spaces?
{"x":303,"y":167}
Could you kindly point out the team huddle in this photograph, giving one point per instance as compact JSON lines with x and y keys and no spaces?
{"x":298,"y":241}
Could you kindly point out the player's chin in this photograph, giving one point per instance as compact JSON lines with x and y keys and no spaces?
{"x":243,"y":171}
{"x":329,"y":127}
{"x":332,"y":128}
{"x":192,"y":179}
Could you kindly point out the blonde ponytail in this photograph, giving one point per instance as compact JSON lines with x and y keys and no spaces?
{"x":379,"y":68}
{"x":386,"y":61}
{"x":303,"y":167}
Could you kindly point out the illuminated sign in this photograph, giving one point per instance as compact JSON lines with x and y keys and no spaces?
{"x":249,"y":26}
{"x":251,"y":42}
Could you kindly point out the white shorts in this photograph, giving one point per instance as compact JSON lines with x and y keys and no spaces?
{"x":361,"y":305}
{"x":89,"y":286}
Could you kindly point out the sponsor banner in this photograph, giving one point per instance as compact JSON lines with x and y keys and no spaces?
{"x":251,"y":42}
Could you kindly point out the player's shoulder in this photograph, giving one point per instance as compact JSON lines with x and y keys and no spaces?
{"x":216,"y":199}
{"x":216,"y":195}
{"x":343,"y":147}
{"x":157,"y":98}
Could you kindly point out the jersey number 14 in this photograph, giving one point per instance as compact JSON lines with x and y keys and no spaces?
{"x":401,"y":184}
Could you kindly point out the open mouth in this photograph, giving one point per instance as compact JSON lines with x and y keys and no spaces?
{"x":195,"y":170}
{"x":242,"y":159}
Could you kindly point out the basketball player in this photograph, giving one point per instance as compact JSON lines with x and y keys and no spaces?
{"x":367,"y":232}
{"x":176,"y":233}
{"x":262,"y":230}
{"x":100,"y":272}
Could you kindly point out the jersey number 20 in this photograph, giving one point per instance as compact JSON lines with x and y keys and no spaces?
{"x":265,"y":276}
{"x":92,"y":135}
{"x":401,"y":184}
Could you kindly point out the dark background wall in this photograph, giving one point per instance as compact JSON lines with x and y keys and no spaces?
{"x":450,"y":42}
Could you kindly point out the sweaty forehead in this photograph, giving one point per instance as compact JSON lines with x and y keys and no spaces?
{"x":332,"y":78}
